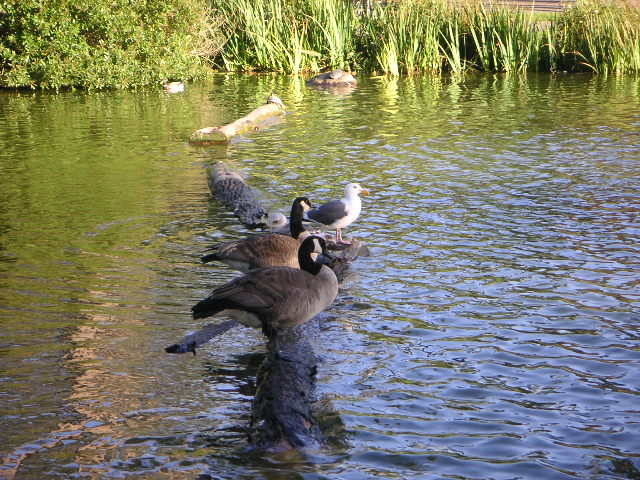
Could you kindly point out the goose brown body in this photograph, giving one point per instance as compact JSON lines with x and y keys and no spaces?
{"x":268,"y":250}
{"x":275,"y":297}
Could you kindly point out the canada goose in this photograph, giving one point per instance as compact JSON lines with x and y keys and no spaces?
{"x":174,"y":87}
{"x":275,"y":297}
{"x":339,"y":213}
{"x":268,"y":250}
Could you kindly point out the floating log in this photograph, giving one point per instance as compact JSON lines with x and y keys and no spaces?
{"x":252,"y":121}
{"x":334,"y":78}
{"x":344,"y":257}
{"x":230,"y":190}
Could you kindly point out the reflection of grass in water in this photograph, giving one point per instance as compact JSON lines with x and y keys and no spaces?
{"x":419,"y":36}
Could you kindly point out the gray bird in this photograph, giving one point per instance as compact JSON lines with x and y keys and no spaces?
{"x":339,"y":213}
{"x":275,"y":100}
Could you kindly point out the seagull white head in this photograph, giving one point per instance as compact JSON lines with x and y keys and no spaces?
{"x":277,"y":220}
{"x":354,"y":189}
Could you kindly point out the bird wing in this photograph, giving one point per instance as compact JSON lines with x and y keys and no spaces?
{"x":255,"y":250}
{"x":328,"y":212}
{"x":261,"y":289}
{"x":277,"y":295}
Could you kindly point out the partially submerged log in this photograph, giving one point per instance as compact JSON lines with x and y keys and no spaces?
{"x":230,"y":190}
{"x":281,"y":413}
{"x":340,"y":265}
{"x":198,"y":338}
{"x":334,"y":78}
{"x":251,"y":121}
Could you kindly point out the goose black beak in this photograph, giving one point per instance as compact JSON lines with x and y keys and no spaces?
{"x":326,"y":258}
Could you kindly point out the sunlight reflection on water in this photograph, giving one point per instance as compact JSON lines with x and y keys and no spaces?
{"x":492,"y":333}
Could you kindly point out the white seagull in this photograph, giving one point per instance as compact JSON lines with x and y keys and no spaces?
{"x":278,"y":223}
{"x":339,"y":213}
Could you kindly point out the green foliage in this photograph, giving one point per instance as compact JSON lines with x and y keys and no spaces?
{"x":410,"y":36}
{"x":405,"y":38}
{"x":285,"y":36}
{"x":129,"y":43}
{"x":100,"y":43}
{"x":600,"y":36}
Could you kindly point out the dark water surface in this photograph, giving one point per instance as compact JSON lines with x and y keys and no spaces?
{"x":494,"y":332}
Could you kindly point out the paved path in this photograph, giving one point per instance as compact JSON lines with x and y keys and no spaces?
{"x":538,"y":5}
{"x":548,"y":5}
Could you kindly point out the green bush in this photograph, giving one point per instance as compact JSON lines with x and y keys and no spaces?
{"x":101,"y":43}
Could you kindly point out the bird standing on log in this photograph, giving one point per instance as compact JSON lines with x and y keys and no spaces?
{"x":339,"y":213}
{"x":276,"y":297}
{"x":268,"y":250}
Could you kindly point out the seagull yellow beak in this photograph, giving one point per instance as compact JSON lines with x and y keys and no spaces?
{"x":364,"y":191}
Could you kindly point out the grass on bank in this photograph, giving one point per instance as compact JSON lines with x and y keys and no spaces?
{"x":410,"y":36}
{"x":124,"y":43}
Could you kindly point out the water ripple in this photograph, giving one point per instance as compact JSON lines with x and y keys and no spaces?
{"x":492,"y":333}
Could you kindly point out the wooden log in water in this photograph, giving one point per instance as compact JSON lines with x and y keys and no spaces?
{"x":251,"y":121}
{"x":281,"y":412}
{"x":340,"y":265}
{"x":200,"y":337}
{"x":282,"y":408}
{"x":230,"y":190}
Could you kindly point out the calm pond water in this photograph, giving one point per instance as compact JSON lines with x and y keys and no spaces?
{"x":492,"y":333}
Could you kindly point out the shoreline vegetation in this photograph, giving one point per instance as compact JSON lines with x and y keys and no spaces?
{"x":95,"y":44}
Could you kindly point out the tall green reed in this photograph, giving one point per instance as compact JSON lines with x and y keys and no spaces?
{"x":333,"y":30}
{"x":453,"y":43}
{"x":600,"y":36}
{"x":425,"y":36}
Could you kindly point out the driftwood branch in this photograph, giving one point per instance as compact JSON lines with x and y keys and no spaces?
{"x":229,"y":188}
{"x":251,"y":121}
{"x":200,"y":337}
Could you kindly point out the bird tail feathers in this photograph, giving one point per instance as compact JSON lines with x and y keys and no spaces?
{"x":205,"y":308}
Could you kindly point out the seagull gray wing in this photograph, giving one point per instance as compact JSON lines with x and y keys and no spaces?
{"x":328,"y":213}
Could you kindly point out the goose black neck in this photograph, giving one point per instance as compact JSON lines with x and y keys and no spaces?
{"x":295,"y":220}
{"x":304,"y":258}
